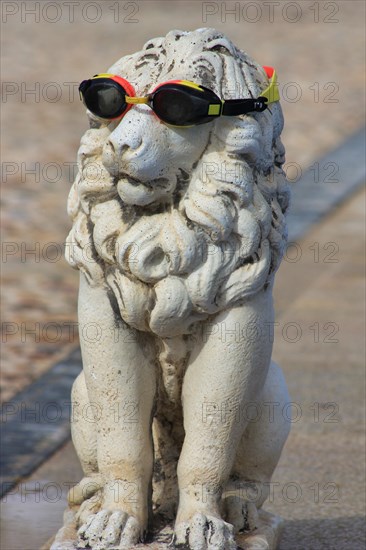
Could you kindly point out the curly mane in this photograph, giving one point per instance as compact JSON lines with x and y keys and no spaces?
{"x":175,"y":253}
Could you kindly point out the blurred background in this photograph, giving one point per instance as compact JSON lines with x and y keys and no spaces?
{"x":48,"y":48}
{"x":317,"y":48}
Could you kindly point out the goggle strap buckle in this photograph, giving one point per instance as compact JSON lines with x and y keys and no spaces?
{"x":234,"y":107}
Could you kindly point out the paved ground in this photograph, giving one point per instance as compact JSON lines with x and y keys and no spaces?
{"x":319,"y":341}
{"x":317,"y":49}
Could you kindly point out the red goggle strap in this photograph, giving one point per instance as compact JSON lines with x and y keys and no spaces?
{"x":269,"y":71}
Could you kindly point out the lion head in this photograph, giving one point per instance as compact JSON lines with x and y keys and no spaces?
{"x":180,"y":223}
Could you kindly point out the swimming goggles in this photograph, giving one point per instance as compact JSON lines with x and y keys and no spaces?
{"x":176,"y":102}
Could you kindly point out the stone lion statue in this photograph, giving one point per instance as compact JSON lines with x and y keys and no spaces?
{"x":177,"y":233}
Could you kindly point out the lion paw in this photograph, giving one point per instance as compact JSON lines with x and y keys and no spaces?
{"x":242,"y":515}
{"x":205,"y":532}
{"x":109,"y":530}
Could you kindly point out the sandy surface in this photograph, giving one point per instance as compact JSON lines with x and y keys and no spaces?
{"x":317,"y":51}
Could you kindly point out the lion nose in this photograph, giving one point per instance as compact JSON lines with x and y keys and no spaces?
{"x":119,"y":150}
{"x":120,"y":145}
{"x":128,"y":141}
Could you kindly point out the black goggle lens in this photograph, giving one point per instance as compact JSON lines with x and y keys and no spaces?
{"x":104,"y":98}
{"x":172,"y":106}
{"x":180,"y":105}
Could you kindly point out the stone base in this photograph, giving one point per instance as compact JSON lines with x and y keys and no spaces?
{"x":266,"y":537}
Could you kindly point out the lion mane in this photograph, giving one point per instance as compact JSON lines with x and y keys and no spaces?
{"x":176,"y":253}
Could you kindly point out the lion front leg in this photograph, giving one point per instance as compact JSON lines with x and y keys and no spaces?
{"x":258,"y":453}
{"x":119,"y":373}
{"x":228,"y":368}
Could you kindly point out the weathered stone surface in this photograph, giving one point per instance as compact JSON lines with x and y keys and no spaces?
{"x":265,"y":537}
{"x":178,"y":233}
